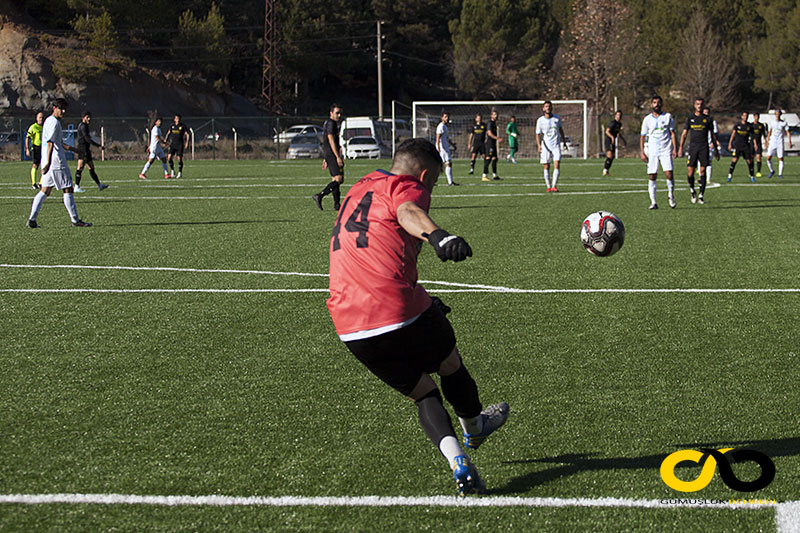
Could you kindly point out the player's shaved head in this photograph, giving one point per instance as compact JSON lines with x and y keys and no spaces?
{"x":415,"y":155}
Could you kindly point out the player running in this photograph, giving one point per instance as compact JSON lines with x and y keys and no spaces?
{"x":549,"y":138}
{"x":333,"y":160}
{"x":477,"y":141}
{"x":658,"y":129}
{"x":443,"y":147}
{"x":33,"y":147}
{"x":386,"y":318}
{"x":613,"y":132}
{"x":55,"y":170}
{"x":513,"y":139}
{"x":777,"y":132}
{"x":741,"y":145}
{"x":492,"y":140}
{"x":85,"y":143}
{"x":698,"y":128}
{"x":155,"y":150}
{"x":759,"y":134}
{"x":178,"y":140}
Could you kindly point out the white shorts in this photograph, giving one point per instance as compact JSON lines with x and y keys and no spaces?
{"x":445,"y":155}
{"x":58,"y":177}
{"x":775,"y":149}
{"x":157,"y":153}
{"x":664,"y":157}
{"x":549,"y":154}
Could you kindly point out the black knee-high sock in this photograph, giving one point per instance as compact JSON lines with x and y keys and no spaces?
{"x":691,"y":182}
{"x":702,"y":185}
{"x":472,"y":165}
{"x":328,"y":188}
{"x":750,"y":167}
{"x":494,"y":166}
{"x":337,"y":195}
{"x":461,"y":391}
{"x":434,"y":418}
{"x":485,"y":166}
{"x":733,"y":165}
{"x":608,"y":162}
{"x":758,"y":166}
{"x":180,"y":165}
{"x":172,"y":164}
{"x":78,"y":177}
{"x":93,"y":174}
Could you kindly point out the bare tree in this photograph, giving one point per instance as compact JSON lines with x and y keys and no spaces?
{"x":706,"y":67}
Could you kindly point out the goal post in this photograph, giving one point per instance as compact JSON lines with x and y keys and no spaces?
{"x":425,"y":116}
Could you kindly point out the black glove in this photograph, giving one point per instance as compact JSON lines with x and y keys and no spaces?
{"x":448,"y":246}
{"x":443,"y":307}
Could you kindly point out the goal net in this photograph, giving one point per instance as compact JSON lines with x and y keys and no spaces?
{"x":574,"y":119}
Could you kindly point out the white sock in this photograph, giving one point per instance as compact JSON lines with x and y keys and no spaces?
{"x":651,"y":187}
{"x":769,"y":165}
{"x":472,"y":425}
{"x":450,"y":448}
{"x":780,"y":168}
{"x":448,"y":170}
{"x":547,"y":177}
{"x":166,"y":168}
{"x":708,"y":174}
{"x":671,"y":187}
{"x":556,"y":173}
{"x":38,"y":201}
{"x":72,"y":209}
{"x":146,"y":167}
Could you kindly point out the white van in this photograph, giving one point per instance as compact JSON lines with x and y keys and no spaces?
{"x":792,"y":120}
{"x":364,"y":127}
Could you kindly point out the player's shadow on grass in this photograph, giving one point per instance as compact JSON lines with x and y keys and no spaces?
{"x":572,"y":464}
{"x":200,"y":223}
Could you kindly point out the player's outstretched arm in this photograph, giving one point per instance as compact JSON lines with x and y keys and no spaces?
{"x":417,"y":223}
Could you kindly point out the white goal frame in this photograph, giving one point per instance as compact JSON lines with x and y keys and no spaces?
{"x":445,"y":103}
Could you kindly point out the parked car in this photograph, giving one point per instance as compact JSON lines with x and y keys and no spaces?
{"x":304,"y":147}
{"x":303,"y":129}
{"x":370,"y":147}
{"x":571,"y":150}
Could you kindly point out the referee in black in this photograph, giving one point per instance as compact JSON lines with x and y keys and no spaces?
{"x":613,"y":132}
{"x":492,"y":140}
{"x":178,"y":140}
{"x":698,"y":127}
{"x":333,"y":161}
{"x":84,"y":149}
{"x":477,"y":141}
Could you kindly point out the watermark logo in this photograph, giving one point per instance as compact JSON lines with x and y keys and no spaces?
{"x":723,"y":458}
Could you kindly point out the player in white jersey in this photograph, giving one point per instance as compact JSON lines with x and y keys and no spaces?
{"x":658,"y":129}
{"x":777,"y":132}
{"x":155,"y":150}
{"x":55,"y":171}
{"x":713,"y":148}
{"x":549,"y":138}
{"x":443,"y":147}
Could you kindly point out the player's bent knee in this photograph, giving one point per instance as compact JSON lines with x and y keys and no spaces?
{"x":451,"y":364}
{"x":424,"y":386}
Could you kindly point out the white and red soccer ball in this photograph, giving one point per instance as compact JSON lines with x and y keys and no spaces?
{"x":602,"y":233}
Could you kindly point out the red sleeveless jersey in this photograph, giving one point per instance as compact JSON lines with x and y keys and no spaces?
{"x":373,"y":260}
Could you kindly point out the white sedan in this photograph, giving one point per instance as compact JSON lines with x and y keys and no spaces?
{"x":303,"y":129}
{"x":369,"y":147}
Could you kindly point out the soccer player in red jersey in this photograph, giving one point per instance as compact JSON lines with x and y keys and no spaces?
{"x":388,"y":321}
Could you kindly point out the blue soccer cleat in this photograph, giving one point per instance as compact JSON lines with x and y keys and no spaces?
{"x":771,"y":173}
{"x":466,"y":476}
{"x":494,"y":417}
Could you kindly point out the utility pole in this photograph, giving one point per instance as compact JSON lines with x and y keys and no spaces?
{"x":380,"y":73}
{"x":271,"y":56}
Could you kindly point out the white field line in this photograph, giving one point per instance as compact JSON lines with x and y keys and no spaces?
{"x":788,"y":517}
{"x":168,"y":269}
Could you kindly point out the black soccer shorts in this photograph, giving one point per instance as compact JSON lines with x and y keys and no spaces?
{"x":742,"y":152}
{"x":333,"y":166}
{"x":173,"y":151}
{"x":85,"y":153}
{"x":36,"y":154}
{"x":759,"y":149}
{"x":479,"y":150}
{"x":400,"y":358}
{"x":698,"y":155}
{"x":491,"y":150}
{"x":609,"y":145}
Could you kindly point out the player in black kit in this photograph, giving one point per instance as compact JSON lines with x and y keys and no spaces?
{"x":477,"y":141}
{"x":333,"y":157}
{"x":491,"y":147}
{"x":84,"y":146}
{"x":613,"y":131}
{"x":741,"y":145}
{"x":698,"y":127}
{"x":759,"y":133}
{"x":178,"y":140}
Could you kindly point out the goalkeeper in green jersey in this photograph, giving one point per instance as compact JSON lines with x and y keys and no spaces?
{"x":513,"y":138}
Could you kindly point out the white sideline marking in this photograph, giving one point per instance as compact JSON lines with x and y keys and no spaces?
{"x":788,"y":517}
{"x":169,"y":269}
{"x":379,"y":501}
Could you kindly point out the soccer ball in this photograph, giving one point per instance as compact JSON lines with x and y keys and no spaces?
{"x":602,"y":233}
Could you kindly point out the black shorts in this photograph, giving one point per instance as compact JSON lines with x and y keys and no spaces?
{"x":36,"y":155}
{"x":759,"y":150}
{"x":609,"y":145}
{"x":333,"y":165}
{"x":400,"y":358}
{"x":491,"y":150}
{"x":85,"y":153}
{"x":744,"y":152}
{"x":480,"y":149}
{"x":698,"y":155}
{"x":176,"y":150}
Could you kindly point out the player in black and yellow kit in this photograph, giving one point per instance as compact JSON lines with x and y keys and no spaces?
{"x":477,"y":141}
{"x":698,"y":128}
{"x":741,"y":145}
{"x":492,"y":141}
{"x":759,"y":133}
{"x":613,"y":132}
{"x":178,"y":140}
